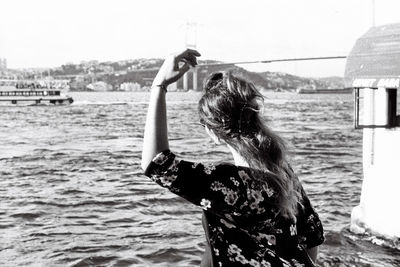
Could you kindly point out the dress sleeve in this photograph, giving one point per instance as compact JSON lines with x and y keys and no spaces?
{"x":215,"y":188}
{"x":309,"y":226}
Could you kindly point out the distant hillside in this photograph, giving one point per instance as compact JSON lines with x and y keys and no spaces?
{"x":259,"y":81}
{"x":140,"y":72}
{"x":289,"y":81}
{"x":279,"y":80}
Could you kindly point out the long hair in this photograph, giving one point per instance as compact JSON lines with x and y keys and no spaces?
{"x":230,"y":108}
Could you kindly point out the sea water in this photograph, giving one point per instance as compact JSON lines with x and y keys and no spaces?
{"x":72,"y":192}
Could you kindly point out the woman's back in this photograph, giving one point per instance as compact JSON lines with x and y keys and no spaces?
{"x":251,"y":218}
{"x":242,"y":218}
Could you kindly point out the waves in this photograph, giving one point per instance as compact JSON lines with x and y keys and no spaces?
{"x":73,"y":193}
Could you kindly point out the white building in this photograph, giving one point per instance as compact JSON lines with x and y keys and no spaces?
{"x":373,"y":70}
{"x":130,"y":87}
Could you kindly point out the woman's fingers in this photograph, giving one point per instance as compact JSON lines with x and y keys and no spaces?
{"x":175,"y":66}
{"x":190,"y":55}
{"x":188,"y":51}
{"x":190,"y":60}
{"x":194,"y":52}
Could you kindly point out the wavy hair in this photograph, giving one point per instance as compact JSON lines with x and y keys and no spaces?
{"x":230,"y":108}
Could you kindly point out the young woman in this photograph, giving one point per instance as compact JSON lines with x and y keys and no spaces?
{"x":256,"y":212}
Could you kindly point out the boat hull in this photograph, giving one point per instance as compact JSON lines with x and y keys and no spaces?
{"x":27,"y":101}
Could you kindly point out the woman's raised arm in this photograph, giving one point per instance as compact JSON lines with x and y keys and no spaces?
{"x":155,"y":137}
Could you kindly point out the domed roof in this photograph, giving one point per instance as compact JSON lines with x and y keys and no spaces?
{"x":374,"y":60}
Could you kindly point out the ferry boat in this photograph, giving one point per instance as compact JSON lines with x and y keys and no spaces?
{"x":33,"y":92}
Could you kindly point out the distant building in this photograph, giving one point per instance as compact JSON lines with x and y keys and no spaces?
{"x":3,"y":64}
{"x":130,"y":87}
{"x":148,"y":81}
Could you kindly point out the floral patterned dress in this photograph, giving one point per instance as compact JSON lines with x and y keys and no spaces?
{"x":243,"y":227}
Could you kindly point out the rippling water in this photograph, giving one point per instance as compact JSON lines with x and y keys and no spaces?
{"x":72,"y":192}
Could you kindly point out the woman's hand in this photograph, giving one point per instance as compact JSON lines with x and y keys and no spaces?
{"x":175,"y":66}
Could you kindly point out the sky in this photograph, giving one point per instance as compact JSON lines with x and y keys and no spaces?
{"x":49,"y":33}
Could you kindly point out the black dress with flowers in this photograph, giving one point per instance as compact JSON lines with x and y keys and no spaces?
{"x":242,"y":224}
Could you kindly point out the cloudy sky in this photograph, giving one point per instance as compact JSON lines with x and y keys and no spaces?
{"x":48,"y":33}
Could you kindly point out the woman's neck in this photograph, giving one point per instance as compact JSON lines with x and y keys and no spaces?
{"x":239,"y":160}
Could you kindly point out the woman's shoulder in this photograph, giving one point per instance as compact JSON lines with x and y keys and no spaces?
{"x":221,"y":169}
{"x":168,"y":159}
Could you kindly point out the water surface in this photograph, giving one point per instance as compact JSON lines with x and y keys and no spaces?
{"x":72,"y":192}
